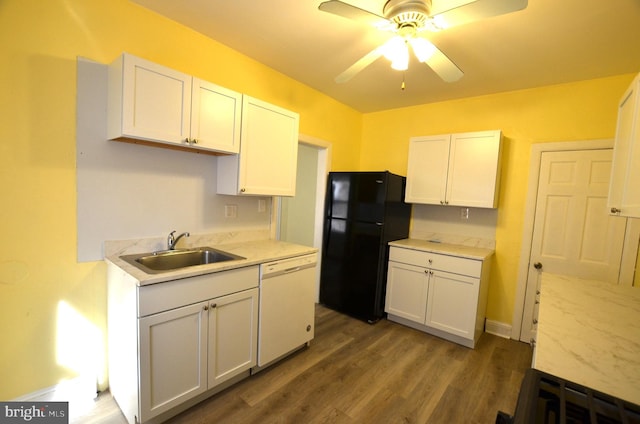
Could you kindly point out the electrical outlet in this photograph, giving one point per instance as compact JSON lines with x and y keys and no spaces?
{"x":464,"y":213}
{"x":230,"y":211}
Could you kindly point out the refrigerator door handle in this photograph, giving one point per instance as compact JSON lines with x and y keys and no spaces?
{"x":379,"y":224}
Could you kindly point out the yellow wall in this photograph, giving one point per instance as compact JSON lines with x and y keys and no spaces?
{"x":39,"y":44}
{"x":569,"y":112}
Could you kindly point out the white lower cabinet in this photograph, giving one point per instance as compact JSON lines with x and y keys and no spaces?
{"x":186,"y":351}
{"x":440,"y":294}
{"x":179,"y":341}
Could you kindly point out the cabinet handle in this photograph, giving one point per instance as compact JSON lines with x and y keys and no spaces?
{"x":537,"y":265}
{"x":205,"y":307}
{"x":615,"y":210}
{"x":308,"y":328}
{"x":532,"y":342}
{"x":194,"y":140}
{"x":242,"y":190}
{"x":214,"y":305}
{"x":442,"y":202}
{"x":535,"y":320}
{"x":186,"y":140}
{"x":430,"y":261}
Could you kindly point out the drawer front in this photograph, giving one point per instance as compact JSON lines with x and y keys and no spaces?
{"x":448,"y":263}
{"x":160,"y":297}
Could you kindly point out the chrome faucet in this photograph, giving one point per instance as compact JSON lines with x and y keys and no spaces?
{"x":171,"y":240}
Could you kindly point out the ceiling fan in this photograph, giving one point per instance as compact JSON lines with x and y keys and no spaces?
{"x":407,"y":19}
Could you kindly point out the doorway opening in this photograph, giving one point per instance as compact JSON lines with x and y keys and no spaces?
{"x":299,"y":219}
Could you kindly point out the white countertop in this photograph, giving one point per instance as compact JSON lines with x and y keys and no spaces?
{"x":478,"y":253}
{"x":254,"y":252}
{"x":589,"y":333}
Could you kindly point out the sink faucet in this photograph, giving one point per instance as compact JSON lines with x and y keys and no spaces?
{"x":171,"y":240}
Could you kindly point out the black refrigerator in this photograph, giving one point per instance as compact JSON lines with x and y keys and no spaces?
{"x":363,"y":212}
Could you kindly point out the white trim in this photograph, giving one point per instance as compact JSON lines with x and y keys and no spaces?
{"x":527,"y":232}
{"x":75,"y":389}
{"x":497,"y":328}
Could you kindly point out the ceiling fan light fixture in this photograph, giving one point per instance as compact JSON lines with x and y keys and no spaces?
{"x":401,"y":62}
{"x":422,"y":48}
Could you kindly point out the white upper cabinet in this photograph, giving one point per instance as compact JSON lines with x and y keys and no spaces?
{"x":156,"y":104}
{"x":455,"y":169}
{"x":268,"y":156}
{"x":624,"y":195}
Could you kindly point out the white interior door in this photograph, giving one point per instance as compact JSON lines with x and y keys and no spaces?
{"x":573,"y":233}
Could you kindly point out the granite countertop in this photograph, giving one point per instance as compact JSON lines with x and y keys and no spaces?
{"x":589,"y":333}
{"x":254,"y":252}
{"x":478,"y":253}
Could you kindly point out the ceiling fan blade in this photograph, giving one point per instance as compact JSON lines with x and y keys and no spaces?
{"x":476,"y":10}
{"x":443,"y":66}
{"x":346,"y":10}
{"x":365,"y":61}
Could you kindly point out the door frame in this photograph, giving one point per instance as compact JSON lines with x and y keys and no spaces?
{"x":537,"y":149}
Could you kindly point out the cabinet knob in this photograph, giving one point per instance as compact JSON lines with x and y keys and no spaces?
{"x":532,"y":342}
{"x":194,"y":140}
{"x":442,"y":202}
{"x":615,"y":211}
{"x":537,"y":265}
{"x":308,"y":328}
{"x":242,"y":190}
{"x":214,"y":305}
{"x":535,"y":320}
{"x":205,"y":307}
{"x":430,"y":261}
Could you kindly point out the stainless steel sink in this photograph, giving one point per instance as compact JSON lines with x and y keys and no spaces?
{"x":170,"y":260}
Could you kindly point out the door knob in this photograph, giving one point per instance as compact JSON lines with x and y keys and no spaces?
{"x":537,"y":265}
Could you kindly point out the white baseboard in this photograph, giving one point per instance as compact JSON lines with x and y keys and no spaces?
{"x":497,"y":328}
{"x":68,"y":390}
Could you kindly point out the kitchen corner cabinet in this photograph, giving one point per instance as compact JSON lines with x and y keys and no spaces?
{"x":454,"y":169}
{"x":439,"y":294}
{"x":268,"y":156}
{"x":153,"y":104}
{"x":179,"y":341}
{"x":624,"y":196}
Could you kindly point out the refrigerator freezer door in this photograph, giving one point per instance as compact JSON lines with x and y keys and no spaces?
{"x":357,"y":196}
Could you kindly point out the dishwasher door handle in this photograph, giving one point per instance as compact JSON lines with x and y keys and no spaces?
{"x":289,"y":270}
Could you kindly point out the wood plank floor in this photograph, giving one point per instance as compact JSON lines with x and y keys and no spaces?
{"x":354,"y":372}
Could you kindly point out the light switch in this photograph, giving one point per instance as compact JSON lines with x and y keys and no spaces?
{"x":230,"y":211}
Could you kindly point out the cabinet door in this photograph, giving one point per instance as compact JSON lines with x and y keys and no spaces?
{"x":427,"y":170}
{"x":407,"y":291}
{"x":148,"y":101}
{"x":474,"y":169}
{"x":452,"y":303}
{"x":233,"y":335}
{"x":173,"y":358}
{"x":215,"y":117}
{"x":624,"y":196}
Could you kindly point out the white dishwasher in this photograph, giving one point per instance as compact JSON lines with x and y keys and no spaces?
{"x":287,"y":306}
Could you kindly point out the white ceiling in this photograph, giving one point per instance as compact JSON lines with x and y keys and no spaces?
{"x":549,"y":42}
